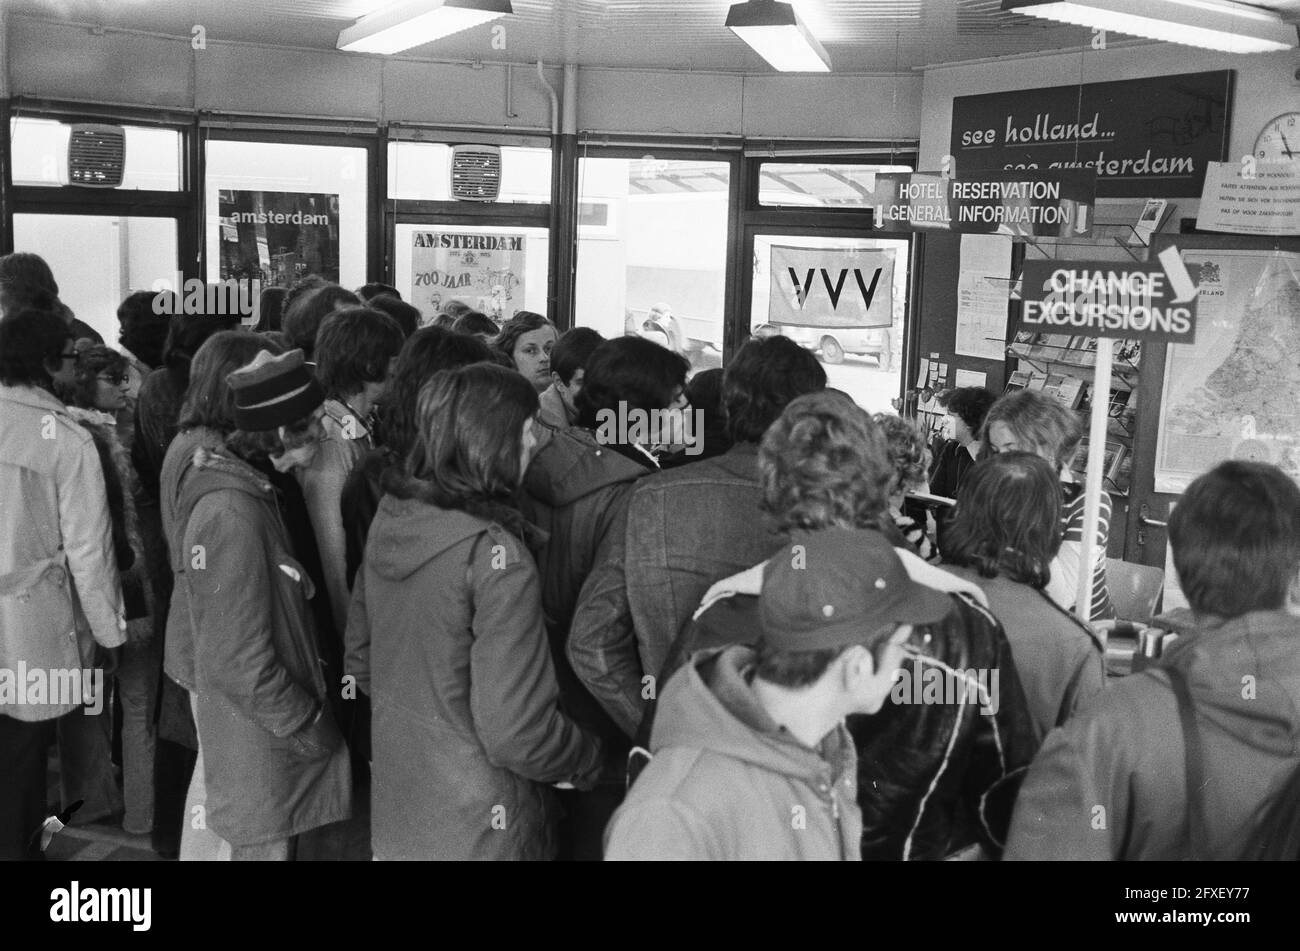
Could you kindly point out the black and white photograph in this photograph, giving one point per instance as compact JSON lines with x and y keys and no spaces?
{"x":649,"y":430}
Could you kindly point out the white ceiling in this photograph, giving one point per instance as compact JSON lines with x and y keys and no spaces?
{"x":859,"y":35}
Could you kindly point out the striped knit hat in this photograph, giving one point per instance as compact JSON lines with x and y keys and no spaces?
{"x":274,"y":391}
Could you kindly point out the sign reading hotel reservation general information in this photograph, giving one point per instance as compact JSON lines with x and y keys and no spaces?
{"x":278,"y":238}
{"x":1145,"y":138}
{"x":1155,"y":301}
{"x":485,"y":271}
{"x":1051,"y":204}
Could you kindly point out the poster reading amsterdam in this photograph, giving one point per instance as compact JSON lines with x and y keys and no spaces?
{"x":278,"y":237}
{"x":486,"y":271}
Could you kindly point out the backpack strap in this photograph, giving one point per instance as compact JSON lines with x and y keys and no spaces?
{"x":1194,"y":770}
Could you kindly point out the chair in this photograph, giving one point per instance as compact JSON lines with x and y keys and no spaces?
{"x":1135,"y":590}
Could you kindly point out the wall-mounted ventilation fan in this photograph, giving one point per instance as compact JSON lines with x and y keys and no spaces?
{"x":475,"y":172}
{"x":96,"y":155}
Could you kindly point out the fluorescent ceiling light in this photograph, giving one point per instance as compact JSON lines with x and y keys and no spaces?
{"x":777,"y":34}
{"x":401,"y":26}
{"x":1211,"y":24}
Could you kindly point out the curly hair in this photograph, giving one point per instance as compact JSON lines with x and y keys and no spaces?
{"x":970,"y":404}
{"x":824,"y":463}
{"x":1040,"y":424}
{"x":92,"y":360}
{"x":908,"y":455}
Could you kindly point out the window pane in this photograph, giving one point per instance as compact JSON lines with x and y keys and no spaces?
{"x":277,"y":212}
{"x":652,"y":251}
{"x":98,"y":260}
{"x":861,"y":360}
{"x":421,"y":171}
{"x":499,"y":271}
{"x":40,"y":155}
{"x":820,"y":185}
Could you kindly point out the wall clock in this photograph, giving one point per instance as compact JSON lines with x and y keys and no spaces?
{"x":1279,"y":140}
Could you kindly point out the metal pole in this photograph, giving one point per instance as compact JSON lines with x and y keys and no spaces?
{"x":1092,"y":481}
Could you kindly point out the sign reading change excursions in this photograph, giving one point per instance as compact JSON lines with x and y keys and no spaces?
{"x":1145,"y":138}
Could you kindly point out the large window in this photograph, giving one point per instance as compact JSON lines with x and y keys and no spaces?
{"x":652,"y":251}
{"x":276,"y":212}
{"x":99,"y":259}
{"x":820,"y":184}
{"x":40,"y":155}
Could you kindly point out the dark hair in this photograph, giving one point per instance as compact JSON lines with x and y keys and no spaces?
{"x":406,"y":315}
{"x":302,"y":318}
{"x":144,"y":327}
{"x":455,"y":309}
{"x":1040,"y":423}
{"x":429,"y":350}
{"x":353,"y":348}
{"x":824,"y":463}
{"x":761,"y":380}
{"x":970,"y":404}
{"x":909,"y":457}
{"x":521,"y":323}
{"x":93,"y":360}
{"x":23,"y":271}
{"x":258,"y":445}
{"x":28,"y":340}
{"x":476,"y":324}
{"x":630,"y":370}
{"x":466,"y":452}
{"x":303,"y":285}
{"x":368,"y":292}
{"x":186,"y":334}
{"x":444,"y":322}
{"x":210,"y":401}
{"x":270,"y":308}
{"x":572,"y":351}
{"x":794,"y":669}
{"x":278,"y":338}
{"x":1235,"y":535}
{"x":1007,"y":519}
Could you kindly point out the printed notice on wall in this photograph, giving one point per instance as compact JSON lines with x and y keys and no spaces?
{"x":1260,"y":199}
{"x":278,"y":238}
{"x":983,"y":288}
{"x":485,"y":271}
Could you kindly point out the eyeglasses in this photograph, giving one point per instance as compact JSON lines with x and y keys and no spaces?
{"x":112,"y":379}
{"x":69,"y":356}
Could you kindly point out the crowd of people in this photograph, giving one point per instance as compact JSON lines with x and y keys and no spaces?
{"x":354,"y":569}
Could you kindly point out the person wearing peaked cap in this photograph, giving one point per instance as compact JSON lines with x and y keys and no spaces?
{"x":840,"y":602}
{"x":242,"y":634}
{"x":766,"y":724}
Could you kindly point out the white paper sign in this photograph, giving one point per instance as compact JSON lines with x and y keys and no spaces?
{"x":981,"y":302}
{"x":1266,"y":204}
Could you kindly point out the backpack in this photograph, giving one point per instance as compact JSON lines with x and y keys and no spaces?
{"x":1275,"y":828}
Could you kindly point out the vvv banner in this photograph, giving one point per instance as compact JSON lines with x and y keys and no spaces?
{"x":831,"y":287}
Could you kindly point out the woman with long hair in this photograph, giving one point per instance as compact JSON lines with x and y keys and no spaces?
{"x":527,"y":339}
{"x":1004,"y":535}
{"x":1030,"y":421}
{"x":446,"y":636}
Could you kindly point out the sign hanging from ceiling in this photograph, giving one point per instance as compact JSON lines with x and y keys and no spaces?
{"x":1145,"y":138}
{"x":1036,"y":204}
{"x":1155,"y":301}
{"x":831,"y":287}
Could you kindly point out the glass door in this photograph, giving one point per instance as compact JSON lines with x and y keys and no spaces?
{"x":840,"y":294}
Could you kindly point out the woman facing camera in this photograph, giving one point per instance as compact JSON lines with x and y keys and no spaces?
{"x":1004,"y":535}
{"x":527,"y":339}
{"x":1030,"y":421}
{"x":446,"y":636}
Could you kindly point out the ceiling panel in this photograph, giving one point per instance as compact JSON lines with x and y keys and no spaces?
{"x":859,"y":35}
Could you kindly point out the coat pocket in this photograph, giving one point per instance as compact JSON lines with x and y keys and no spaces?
{"x":36,"y":605}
